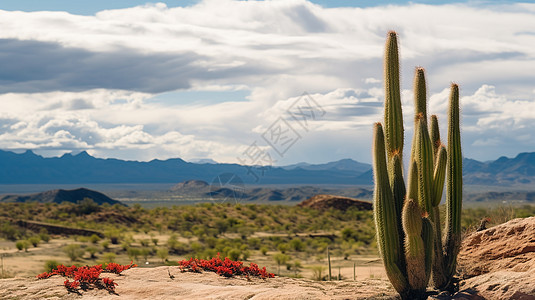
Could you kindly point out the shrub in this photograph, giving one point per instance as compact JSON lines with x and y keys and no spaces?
{"x":92,"y":250}
{"x":73,"y":251}
{"x":263,"y":250}
{"x":43,"y":235}
{"x":297,"y":244}
{"x":163,"y":254}
{"x":94,"y":238}
{"x":34,"y":240}
{"x":317,"y":273}
{"x":51,"y":265}
{"x":234,"y":254}
{"x":109,"y":257}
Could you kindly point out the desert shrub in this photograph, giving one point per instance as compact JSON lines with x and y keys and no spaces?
{"x":51,"y":265}
{"x":34,"y":240}
{"x":234,"y":254}
{"x":94,"y":238}
{"x":263,"y":250}
{"x":145,"y":252}
{"x":9,"y":232}
{"x":297,"y":244}
{"x":281,"y":259}
{"x":106,"y":244}
{"x":163,"y":254}
{"x":318,"y":273}
{"x":283,"y":247}
{"x":92,"y":250}
{"x":109,"y":257}
{"x":87,"y":206}
{"x":22,"y":245}
{"x":73,"y":251}
{"x":133,"y":253}
{"x":43,"y":235}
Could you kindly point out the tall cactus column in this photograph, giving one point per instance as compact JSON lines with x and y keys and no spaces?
{"x":407,"y":219}
{"x":385,"y":216}
{"x":454,"y":189}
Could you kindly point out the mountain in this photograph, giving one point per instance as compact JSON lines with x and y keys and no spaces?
{"x":341,"y":165}
{"x":29,"y":168}
{"x":503,"y":171}
{"x":59,"y":196}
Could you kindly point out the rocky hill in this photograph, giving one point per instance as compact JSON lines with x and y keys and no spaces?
{"x":322,"y":202}
{"x":59,"y":196}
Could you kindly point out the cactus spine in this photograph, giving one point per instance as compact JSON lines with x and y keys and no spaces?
{"x":407,"y":216}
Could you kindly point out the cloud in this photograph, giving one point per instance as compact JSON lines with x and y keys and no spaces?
{"x":92,"y":82}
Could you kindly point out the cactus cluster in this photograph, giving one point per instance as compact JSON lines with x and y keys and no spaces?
{"x":407,"y":217}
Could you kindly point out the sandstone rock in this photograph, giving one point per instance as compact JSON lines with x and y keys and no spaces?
{"x":499,"y":262}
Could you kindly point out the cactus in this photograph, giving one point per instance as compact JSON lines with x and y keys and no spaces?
{"x":407,"y":219}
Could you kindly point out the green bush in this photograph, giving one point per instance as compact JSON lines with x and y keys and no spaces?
{"x":163,"y":254}
{"x":94,"y":238}
{"x":51,"y":265}
{"x":34,"y":240}
{"x":73,"y":251}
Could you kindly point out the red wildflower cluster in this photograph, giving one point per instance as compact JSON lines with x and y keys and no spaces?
{"x":226,"y":267}
{"x":117,"y":268}
{"x":71,"y":285}
{"x":86,"y":277}
{"x":109,"y":284}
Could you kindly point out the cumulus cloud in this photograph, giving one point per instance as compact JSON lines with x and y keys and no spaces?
{"x":89,"y":82}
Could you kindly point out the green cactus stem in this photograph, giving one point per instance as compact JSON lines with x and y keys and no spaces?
{"x":393,"y":116}
{"x":434,"y":133}
{"x":414,"y":246}
{"x":385,"y":215}
{"x":423,"y":155}
{"x":454,"y":187}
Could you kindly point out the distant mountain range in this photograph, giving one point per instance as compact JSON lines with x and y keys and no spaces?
{"x":29,"y":168}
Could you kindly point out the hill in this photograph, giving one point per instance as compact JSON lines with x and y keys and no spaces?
{"x":330,"y":201}
{"x":59,"y":196}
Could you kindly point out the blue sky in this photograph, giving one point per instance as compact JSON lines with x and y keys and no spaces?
{"x":210,"y":79}
{"x":92,"y":7}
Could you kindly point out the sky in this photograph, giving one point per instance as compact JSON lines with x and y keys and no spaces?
{"x":256,"y":82}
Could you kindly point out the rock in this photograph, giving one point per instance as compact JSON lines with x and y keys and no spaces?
{"x":499,"y":262}
{"x":155,"y":283}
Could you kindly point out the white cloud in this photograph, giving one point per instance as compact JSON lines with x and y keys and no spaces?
{"x":86,"y":82}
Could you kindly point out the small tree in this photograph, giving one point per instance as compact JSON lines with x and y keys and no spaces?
{"x":163,"y":254}
{"x":281,"y":259}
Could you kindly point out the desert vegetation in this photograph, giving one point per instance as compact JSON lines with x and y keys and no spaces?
{"x":289,"y":240}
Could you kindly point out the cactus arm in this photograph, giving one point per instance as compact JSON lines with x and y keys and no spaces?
{"x":428,"y":237}
{"x":412,"y":192}
{"x":423,"y":155}
{"x":414,"y":246}
{"x":385,"y":215}
{"x":393,"y":118}
{"x":435,"y":136}
{"x":439,"y":175}
{"x":420,"y":94}
{"x":454,"y":184}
